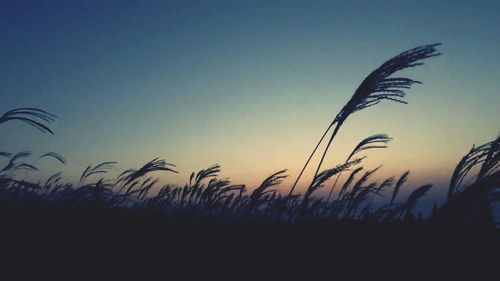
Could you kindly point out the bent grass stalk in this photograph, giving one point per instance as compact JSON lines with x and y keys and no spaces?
{"x":375,"y":87}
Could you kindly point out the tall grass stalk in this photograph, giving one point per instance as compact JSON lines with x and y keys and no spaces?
{"x":377,"y":86}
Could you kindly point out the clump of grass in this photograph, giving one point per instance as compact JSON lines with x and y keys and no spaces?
{"x":263,"y":193}
{"x":471,"y":203}
{"x":154,"y":165}
{"x":371,"y":142}
{"x":205,"y":196}
{"x":376,"y":87}
{"x":12,"y":164}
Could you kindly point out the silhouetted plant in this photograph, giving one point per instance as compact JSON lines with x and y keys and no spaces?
{"x":257,"y":196}
{"x":414,"y":197}
{"x":471,"y":203}
{"x":371,"y":142}
{"x":11,"y":165}
{"x":376,"y":87}
{"x":99,"y":169}
{"x":54,"y":155}
{"x":6,"y":154}
{"x":399,"y":184}
{"x":32,"y":116}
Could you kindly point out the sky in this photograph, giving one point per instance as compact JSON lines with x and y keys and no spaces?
{"x":250,"y":85}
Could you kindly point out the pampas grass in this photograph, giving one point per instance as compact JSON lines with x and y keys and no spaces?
{"x":376,"y":87}
{"x":35,"y":117}
{"x":206,"y":196}
{"x":371,"y":142}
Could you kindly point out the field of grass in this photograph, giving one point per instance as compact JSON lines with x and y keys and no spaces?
{"x":131,"y":208}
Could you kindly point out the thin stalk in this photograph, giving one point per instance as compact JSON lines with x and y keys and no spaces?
{"x":337,"y":179}
{"x":309,"y":159}
{"x":335,"y":131}
{"x":334,"y":184}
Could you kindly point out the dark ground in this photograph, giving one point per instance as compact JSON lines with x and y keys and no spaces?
{"x":53,"y":241}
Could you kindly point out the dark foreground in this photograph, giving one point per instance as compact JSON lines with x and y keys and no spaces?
{"x":52,"y":241}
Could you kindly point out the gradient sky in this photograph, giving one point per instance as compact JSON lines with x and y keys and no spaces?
{"x":250,"y":85}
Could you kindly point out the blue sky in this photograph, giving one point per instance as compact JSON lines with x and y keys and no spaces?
{"x":250,"y":85}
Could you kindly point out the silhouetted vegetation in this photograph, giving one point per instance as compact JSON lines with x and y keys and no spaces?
{"x":212,"y":224}
{"x":206,"y":197}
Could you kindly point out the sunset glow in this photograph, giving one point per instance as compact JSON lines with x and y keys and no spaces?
{"x":248,"y":86}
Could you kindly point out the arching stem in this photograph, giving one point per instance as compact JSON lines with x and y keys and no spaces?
{"x":309,"y":159}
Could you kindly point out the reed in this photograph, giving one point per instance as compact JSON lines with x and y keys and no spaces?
{"x":379,"y":85}
{"x":35,"y":117}
{"x":206,"y":196}
{"x":371,"y":142}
